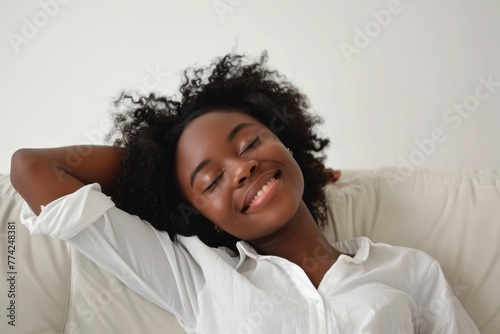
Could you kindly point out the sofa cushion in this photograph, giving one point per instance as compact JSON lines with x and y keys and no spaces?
{"x":37,"y":271}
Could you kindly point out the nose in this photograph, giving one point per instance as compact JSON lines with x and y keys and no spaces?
{"x":242,"y":170}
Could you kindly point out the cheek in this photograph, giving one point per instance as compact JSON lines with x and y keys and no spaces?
{"x":200,"y":202}
{"x":214,"y":207}
{"x":298,"y":174}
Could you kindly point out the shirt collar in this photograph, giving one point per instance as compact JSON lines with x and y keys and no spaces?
{"x":246,"y":250}
{"x":358,"y":246}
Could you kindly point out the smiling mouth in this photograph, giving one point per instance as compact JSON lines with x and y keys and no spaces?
{"x":261,"y":194}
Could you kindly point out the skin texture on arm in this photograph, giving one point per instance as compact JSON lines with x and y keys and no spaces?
{"x":41,"y":176}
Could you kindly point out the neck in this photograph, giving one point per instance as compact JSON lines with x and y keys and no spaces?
{"x":301,"y":242}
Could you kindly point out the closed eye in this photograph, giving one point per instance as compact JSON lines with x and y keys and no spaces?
{"x":211,"y":187}
{"x":254,"y":143}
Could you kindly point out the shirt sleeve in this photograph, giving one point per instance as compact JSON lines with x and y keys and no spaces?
{"x":143,"y":258}
{"x":440,"y":311}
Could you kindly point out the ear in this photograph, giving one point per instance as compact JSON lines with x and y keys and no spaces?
{"x":333,"y":175}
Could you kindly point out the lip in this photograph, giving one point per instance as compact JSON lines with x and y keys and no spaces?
{"x":254,"y":189}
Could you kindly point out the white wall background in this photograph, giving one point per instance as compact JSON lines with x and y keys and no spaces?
{"x":397,"y":81}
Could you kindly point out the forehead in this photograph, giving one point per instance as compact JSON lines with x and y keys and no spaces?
{"x":205,"y":133}
{"x":214,"y":125}
{"x":220,"y":119}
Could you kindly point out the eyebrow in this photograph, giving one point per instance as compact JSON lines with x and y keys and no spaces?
{"x":237,"y":129}
{"x":230,"y":137}
{"x":198,"y":168}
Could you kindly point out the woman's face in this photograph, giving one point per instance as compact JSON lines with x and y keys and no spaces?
{"x":238,"y":174}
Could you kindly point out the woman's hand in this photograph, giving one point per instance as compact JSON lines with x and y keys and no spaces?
{"x":41,"y":176}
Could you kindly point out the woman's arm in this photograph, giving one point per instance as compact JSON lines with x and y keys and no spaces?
{"x":41,"y":176}
{"x":88,"y":220}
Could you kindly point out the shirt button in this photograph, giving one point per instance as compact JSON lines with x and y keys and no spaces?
{"x":315,"y":302}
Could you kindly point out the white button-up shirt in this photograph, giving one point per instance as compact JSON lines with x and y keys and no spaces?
{"x":382,"y":289}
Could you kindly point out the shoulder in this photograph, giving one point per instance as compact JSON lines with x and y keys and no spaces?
{"x":382,"y":255}
{"x":405,"y":257}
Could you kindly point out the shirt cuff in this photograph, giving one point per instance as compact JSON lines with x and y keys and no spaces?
{"x":67,"y":216}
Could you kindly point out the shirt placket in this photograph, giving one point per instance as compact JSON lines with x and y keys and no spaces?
{"x":315,"y":304}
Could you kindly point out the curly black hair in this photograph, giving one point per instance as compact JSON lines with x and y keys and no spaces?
{"x":150,"y":128}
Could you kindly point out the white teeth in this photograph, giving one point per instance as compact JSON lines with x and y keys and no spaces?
{"x":262,"y":190}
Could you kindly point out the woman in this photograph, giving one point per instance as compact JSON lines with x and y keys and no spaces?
{"x":231,"y":180}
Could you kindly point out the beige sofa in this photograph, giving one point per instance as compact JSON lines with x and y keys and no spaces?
{"x":454,"y":215}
